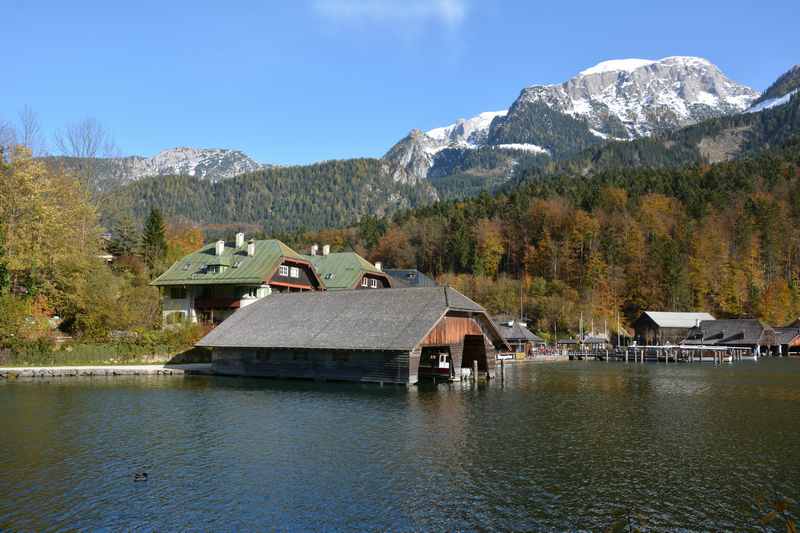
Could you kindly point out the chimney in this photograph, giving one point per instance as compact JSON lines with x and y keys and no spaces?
{"x":219,"y":249}
{"x":326,"y":250}
{"x":251,"y":248}
{"x":378,"y":266}
{"x":314,"y":249}
{"x":239,"y":240}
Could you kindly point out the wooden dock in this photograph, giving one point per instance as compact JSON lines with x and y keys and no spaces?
{"x":667,"y":354}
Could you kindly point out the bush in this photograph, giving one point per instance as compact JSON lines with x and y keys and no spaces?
{"x":175,"y":345}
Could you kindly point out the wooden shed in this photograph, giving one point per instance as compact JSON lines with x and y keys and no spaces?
{"x":660,"y":327}
{"x":391,"y":335}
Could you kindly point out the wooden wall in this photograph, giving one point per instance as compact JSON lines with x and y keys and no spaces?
{"x":452,"y":330}
{"x":370,"y":366}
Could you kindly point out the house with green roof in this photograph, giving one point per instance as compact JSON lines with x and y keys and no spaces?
{"x":347,"y":270}
{"x":210,"y":284}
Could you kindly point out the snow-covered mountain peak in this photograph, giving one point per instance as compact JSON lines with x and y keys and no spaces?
{"x":616,"y":65}
{"x":631,"y":98}
{"x":619,"y":99}
{"x":469,"y":131}
{"x":209,"y":163}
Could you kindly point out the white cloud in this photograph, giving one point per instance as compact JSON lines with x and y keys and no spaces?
{"x":450,"y":13}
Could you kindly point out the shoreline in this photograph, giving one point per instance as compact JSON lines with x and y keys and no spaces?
{"x":11,"y":373}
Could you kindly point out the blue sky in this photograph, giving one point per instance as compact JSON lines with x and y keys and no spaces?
{"x":306,"y":80}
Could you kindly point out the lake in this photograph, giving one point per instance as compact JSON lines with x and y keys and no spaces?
{"x":579,"y":445}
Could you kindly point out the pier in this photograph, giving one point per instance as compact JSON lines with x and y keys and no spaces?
{"x":667,"y":354}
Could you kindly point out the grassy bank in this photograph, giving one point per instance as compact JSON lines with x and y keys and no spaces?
{"x":130,"y":348}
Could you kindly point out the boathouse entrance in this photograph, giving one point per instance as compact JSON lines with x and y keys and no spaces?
{"x":474,"y":350}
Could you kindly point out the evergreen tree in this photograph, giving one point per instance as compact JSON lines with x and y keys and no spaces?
{"x":154,"y":241}
{"x":125,"y":237}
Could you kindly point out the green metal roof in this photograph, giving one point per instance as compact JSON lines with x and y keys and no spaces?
{"x":346,"y":267}
{"x":241,"y":269}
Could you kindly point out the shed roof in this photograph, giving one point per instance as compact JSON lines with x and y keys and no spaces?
{"x":342,"y":270}
{"x":389,"y":319}
{"x":785,"y":335}
{"x":516,"y":331}
{"x":243,"y":269}
{"x":732,"y":332}
{"x":666,"y":319}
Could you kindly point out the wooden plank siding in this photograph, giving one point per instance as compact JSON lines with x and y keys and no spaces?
{"x":366,"y":366}
{"x":451,"y":330}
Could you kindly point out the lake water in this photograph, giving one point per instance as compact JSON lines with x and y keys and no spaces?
{"x":580,"y":445}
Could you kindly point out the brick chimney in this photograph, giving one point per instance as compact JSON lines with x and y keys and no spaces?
{"x":251,"y":248}
{"x":326,"y":250}
{"x":378,"y":266}
{"x":219,"y":249}
{"x":239,"y":240}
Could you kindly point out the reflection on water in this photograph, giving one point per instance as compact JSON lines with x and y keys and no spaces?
{"x":564,"y":446}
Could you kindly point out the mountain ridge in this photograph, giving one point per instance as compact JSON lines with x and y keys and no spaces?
{"x":616,"y":99}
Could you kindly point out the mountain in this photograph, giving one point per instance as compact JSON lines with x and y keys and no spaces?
{"x":771,"y":123}
{"x":619,"y":99}
{"x":211,"y":164}
{"x":779,"y":92}
{"x":466,"y":157}
{"x":278,"y":199}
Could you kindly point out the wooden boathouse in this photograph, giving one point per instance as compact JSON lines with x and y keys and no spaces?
{"x":660,"y":327}
{"x":386,"y":336}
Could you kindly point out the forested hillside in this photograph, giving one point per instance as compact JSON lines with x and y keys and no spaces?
{"x":722,"y":238}
{"x":329,"y":194}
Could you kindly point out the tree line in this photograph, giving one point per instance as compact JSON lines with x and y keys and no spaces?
{"x":722,"y":238}
{"x":54,"y":275}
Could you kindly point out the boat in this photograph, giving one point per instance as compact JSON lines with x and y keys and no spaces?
{"x":435,"y":365}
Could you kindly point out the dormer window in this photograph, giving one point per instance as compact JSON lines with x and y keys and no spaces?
{"x":294,"y":272}
{"x":186,"y":266}
{"x":283,"y":270}
{"x":330,"y":276}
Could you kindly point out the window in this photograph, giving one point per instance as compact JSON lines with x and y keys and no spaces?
{"x":283,"y":270}
{"x":373,"y":283}
{"x":177,"y":293}
{"x":364,"y":282}
{"x":330,"y":275}
{"x":294,"y":272}
{"x":187,"y":266}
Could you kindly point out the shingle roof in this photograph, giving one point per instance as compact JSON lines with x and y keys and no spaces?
{"x":250,"y":270}
{"x":785,"y":335}
{"x":389,"y":319}
{"x":341,"y":270}
{"x":732,"y":332}
{"x":410,"y":277}
{"x":517,"y":332}
{"x":677,"y":320}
